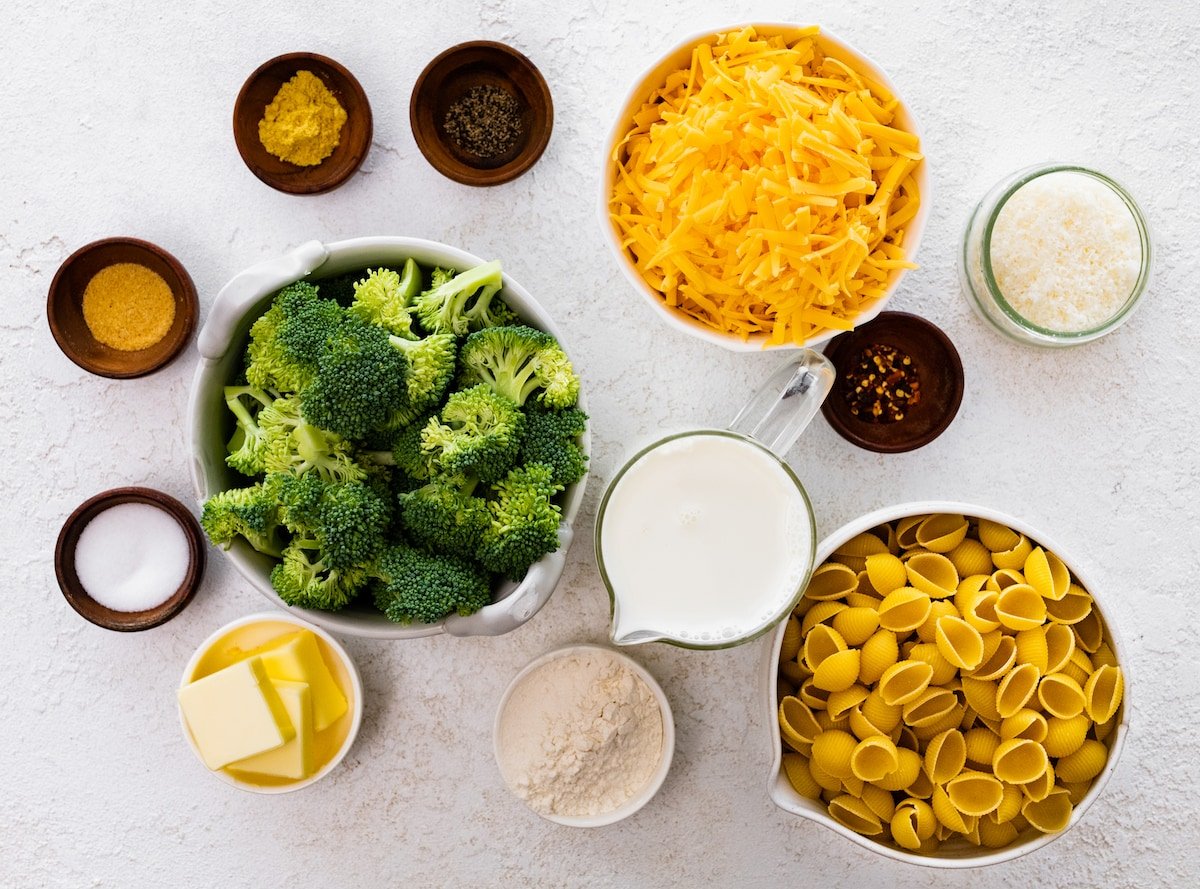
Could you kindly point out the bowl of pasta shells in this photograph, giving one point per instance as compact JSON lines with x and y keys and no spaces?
{"x":947,"y":691}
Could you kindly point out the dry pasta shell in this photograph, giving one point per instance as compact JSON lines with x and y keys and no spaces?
{"x":1076,"y":790}
{"x":977,"y":606}
{"x":1002,"y":578}
{"x":1031,"y":648}
{"x":942,"y":532}
{"x":1047,"y":574}
{"x":912,"y":823}
{"x":794,"y":672}
{"x":1089,"y":632}
{"x":959,"y":642}
{"x":832,"y":750}
{"x":1019,"y":607}
{"x":819,"y":613}
{"x":938,"y":609}
{"x":1102,"y":730}
{"x":943,"y":670}
{"x":975,"y":793}
{"x":906,"y":772}
{"x":1010,"y":805}
{"x":971,"y":557}
{"x":906,"y":531}
{"x":997,"y":537}
{"x":903,"y":610}
{"x":878,"y":653}
{"x":886,"y":573}
{"x":828,"y":723}
{"x":1060,"y":645}
{"x":907,"y":739}
{"x":947,"y":813}
{"x":1025,"y":723}
{"x":853,"y":786}
{"x":1085,"y":763}
{"x":873,"y":758}
{"x":856,"y":815}
{"x":862,"y":545}
{"x":856,"y":625}
{"x":999,"y":660}
{"x":980,"y":695}
{"x":797,"y":723}
{"x":1015,"y":556}
{"x":904,"y":681}
{"x":866,"y":596}
{"x":1050,"y":814}
{"x":1061,"y":696}
{"x":1065,"y":736}
{"x":996,"y":835}
{"x":922,"y":787}
{"x":1016,"y":688}
{"x":1104,"y":656}
{"x":816,"y":698}
{"x":932,"y":706}
{"x":1040,"y":786}
{"x":855,"y":563}
{"x":879,"y":801}
{"x":1019,"y":761}
{"x":832,"y":581}
{"x":1071,"y":609}
{"x":945,"y":756}
{"x":839,"y":671}
{"x":828,"y":783}
{"x":840,"y":703}
{"x":795,"y":768}
{"x":790,"y":647}
{"x":886,"y":717}
{"x":932,"y":574}
{"x":820,"y":643}
{"x":981,"y":744}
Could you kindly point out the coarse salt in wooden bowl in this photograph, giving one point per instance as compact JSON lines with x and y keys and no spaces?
{"x":64,"y":308}
{"x":354,"y":140}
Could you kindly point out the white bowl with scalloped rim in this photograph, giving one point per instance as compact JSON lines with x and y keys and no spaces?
{"x":958,"y":854}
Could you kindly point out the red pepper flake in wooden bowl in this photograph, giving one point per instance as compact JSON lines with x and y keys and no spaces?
{"x":882,"y":384}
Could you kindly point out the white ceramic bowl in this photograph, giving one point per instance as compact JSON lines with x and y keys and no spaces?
{"x":222,"y":342}
{"x":677,"y":58}
{"x":638,"y":800}
{"x":354,"y":698}
{"x":950,"y":855}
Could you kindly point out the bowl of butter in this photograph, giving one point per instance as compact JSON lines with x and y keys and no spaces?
{"x":270,"y":704}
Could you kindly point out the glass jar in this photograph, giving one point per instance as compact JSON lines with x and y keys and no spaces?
{"x":979,"y":279}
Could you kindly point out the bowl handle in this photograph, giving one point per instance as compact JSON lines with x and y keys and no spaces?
{"x":253,"y":284}
{"x":525,"y":601}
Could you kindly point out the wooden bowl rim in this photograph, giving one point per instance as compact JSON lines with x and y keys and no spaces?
{"x":186,"y":302}
{"x":127,"y":621}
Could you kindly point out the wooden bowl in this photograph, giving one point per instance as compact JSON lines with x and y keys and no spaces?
{"x":355,"y":139}
{"x":938,"y":368}
{"x":447,"y":78}
{"x":127,"y":621}
{"x":64,"y":308}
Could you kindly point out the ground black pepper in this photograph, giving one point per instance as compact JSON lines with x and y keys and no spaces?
{"x":485,"y":121}
{"x":882,"y":384}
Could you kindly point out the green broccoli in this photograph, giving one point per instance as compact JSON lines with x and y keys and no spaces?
{"x":252,"y":513}
{"x":383,"y":296}
{"x":305,"y":579}
{"x":346,"y":522}
{"x":552,"y":438}
{"x":518,"y":361}
{"x":407,"y":455}
{"x":443,"y":516}
{"x":286,"y":342}
{"x":296,"y":446}
{"x":411,"y":585}
{"x":465,"y":302}
{"x":479,"y":434}
{"x":524,"y":525}
{"x":247,"y":447}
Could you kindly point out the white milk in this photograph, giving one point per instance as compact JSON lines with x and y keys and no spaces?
{"x":705,"y":538}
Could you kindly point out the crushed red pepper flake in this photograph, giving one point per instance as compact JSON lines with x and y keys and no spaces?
{"x":882,"y":384}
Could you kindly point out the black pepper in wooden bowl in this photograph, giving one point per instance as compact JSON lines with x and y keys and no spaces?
{"x":484,"y":122}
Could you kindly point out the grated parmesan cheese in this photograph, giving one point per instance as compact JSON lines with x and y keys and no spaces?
{"x":1065,"y":251}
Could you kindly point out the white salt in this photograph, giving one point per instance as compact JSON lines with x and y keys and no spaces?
{"x":132,"y":557}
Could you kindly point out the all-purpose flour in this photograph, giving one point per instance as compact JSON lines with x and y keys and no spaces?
{"x":580,"y":735}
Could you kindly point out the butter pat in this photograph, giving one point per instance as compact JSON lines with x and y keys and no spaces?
{"x":235,"y":713}
{"x":297,"y":658}
{"x":295,"y":758}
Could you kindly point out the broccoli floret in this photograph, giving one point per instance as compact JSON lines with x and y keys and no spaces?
{"x":411,"y":585}
{"x":305,"y":579}
{"x":443,"y":516}
{"x":287,"y":341}
{"x":360,"y":381}
{"x":345,"y":521}
{"x":252,"y":513}
{"x":479,"y":434}
{"x":297,"y":446}
{"x":552,"y":438}
{"x":524,"y":525}
{"x":465,"y":302}
{"x":518,"y":361}
{"x":406,"y":449}
{"x":431,"y":365}
{"x":247,"y":448}
{"x":383,"y":297}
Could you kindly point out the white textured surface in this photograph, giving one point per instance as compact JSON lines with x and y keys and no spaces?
{"x":117,"y":122}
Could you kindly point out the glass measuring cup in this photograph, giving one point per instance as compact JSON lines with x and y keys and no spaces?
{"x":705,"y":538}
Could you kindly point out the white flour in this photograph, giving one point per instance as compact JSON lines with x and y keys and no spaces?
{"x":580,"y":735}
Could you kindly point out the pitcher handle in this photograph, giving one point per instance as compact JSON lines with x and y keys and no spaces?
{"x":786,"y":402}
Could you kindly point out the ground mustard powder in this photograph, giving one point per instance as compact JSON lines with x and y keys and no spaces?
{"x":303,"y":123}
{"x":128,"y":307}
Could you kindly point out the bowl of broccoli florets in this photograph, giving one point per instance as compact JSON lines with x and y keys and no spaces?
{"x":389,"y":436}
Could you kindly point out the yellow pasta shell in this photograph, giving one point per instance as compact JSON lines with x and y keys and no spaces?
{"x":1047,"y":574}
{"x":856,"y":625}
{"x":943,"y":670}
{"x":912,"y":823}
{"x":839,"y":671}
{"x":938,"y":609}
{"x":1015,"y":556}
{"x":794,"y":672}
{"x":831,"y":751}
{"x":1085,"y":763}
{"x":932,"y":707}
{"x":795,"y":768}
{"x":1103,"y":729}
{"x":827,"y":722}
{"x":1019,"y":761}
{"x":1076,"y":790}
{"x":884,"y":716}
{"x":878,"y":653}
{"x":975,"y":793}
{"x":1072,"y":608}
{"x":947,"y":813}
{"x":856,"y":815}
{"x":878,"y":801}
{"x":1002,"y":578}
{"x":1089,"y":632}
{"x":1031,"y":648}
{"x":1103,"y":692}
{"x":873,"y":758}
{"x":981,"y":696}
{"x":945,"y":756}
{"x":971,"y":557}
{"x":932,"y":574}
{"x":828,"y":783}
{"x":819,"y":613}
{"x":840,"y":703}
{"x":959,"y":642}
{"x":1061,"y":696}
{"x":1039,"y":787}
{"x":903,"y":610}
{"x":942,"y":532}
{"x":1065,"y":736}
{"x":921,"y":787}
{"x":790,"y":646}
{"x":797,"y":723}
{"x":1010,"y":805}
{"x":1060,"y":645}
{"x":886,"y":573}
{"x":997,"y":537}
{"x":1019,"y":607}
{"x":816,"y":698}
{"x":904,"y":681}
{"x":1016,"y":688}
{"x":862,"y":545}
{"x":996,"y":835}
{"x":1104,"y":656}
{"x":1051,"y":814}
{"x":831,"y":581}
{"x":906,"y":531}
{"x":977,"y":606}
{"x":999,"y":660}
{"x":820,"y":643}
{"x":981,"y":744}
{"x":906,"y":773}
{"x":1025,"y":723}
{"x":855,"y":563}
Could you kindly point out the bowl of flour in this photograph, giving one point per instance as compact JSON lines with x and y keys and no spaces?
{"x":584,"y":736}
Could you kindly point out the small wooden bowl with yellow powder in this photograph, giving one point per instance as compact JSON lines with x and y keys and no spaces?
{"x":302,"y":123}
{"x":122,"y":307}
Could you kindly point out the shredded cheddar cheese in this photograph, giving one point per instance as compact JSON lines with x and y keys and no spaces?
{"x":766,"y":188}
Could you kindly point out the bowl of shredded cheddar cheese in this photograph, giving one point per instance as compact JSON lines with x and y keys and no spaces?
{"x":764,"y":187}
